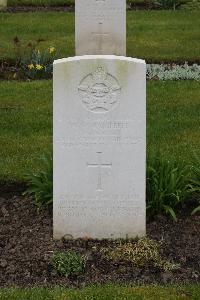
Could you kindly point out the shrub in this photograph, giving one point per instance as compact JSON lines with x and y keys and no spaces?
{"x":141,"y":253}
{"x":41,"y":182}
{"x":166,"y":186}
{"x":68,"y":263}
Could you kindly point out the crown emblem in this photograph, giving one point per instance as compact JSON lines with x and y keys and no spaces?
{"x":99,"y":91}
{"x":99,"y":75}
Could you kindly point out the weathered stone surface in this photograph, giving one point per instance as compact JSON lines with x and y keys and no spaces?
{"x":99,"y":147}
{"x":3,"y":4}
{"x":100,"y":27}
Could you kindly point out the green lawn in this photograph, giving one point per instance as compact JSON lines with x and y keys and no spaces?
{"x":152,"y":35}
{"x":173,"y":121}
{"x":26,"y":122}
{"x":25,"y":125}
{"x":105,"y":293}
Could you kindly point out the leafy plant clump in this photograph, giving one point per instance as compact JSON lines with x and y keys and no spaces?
{"x":40,"y":64}
{"x":173,"y":72}
{"x":166,"y":186}
{"x":41,"y":183}
{"x":68,"y":263}
{"x":141,"y":253}
{"x":33,"y":63}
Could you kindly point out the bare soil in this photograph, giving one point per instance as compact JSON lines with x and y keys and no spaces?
{"x":70,"y":8}
{"x":26,"y":246}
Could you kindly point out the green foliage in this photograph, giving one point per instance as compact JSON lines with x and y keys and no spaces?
{"x":195,"y":182}
{"x":39,"y":65}
{"x":22,"y":50}
{"x":196,"y":210}
{"x":166,"y":186}
{"x":41,"y":183}
{"x":68,"y":263}
{"x":194,"y":185}
{"x":141,"y":253}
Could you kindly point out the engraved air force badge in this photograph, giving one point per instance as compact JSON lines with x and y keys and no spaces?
{"x":99,"y":91}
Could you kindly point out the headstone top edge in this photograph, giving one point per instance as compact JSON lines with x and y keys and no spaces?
{"x":93,"y":57}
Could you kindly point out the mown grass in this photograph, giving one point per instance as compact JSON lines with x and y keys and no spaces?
{"x":173,"y":119}
{"x":173,"y":123}
{"x":152,"y":35}
{"x":25,"y":126}
{"x":111,"y":292}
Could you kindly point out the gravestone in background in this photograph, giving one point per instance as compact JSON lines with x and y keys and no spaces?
{"x":3,"y":4}
{"x":99,"y":147}
{"x":100,"y":27}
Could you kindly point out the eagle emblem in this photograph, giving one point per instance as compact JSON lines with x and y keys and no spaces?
{"x":99,"y":91}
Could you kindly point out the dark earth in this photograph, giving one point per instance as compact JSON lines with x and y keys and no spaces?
{"x":69,"y":8}
{"x":26,"y":246}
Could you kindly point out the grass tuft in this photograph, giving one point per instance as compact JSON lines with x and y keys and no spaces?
{"x":41,"y":183}
{"x":166,"y":186}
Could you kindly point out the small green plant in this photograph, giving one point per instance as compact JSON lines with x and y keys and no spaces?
{"x":68,"y":263}
{"x":194,"y":185}
{"x":41,"y":183}
{"x":141,"y":253}
{"x":197,"y":209}
{"x":173,"y":72}
{"x":22,"y":50}
{"x":40,"y":64}
{"x":166,"y":186}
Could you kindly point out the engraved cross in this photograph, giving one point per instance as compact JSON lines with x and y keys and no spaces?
{"x":99,"y":165}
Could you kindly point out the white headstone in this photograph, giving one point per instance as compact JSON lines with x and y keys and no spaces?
{"x":3,"y":4}
{"x":100,"y":27}
{"x":99,"y":147}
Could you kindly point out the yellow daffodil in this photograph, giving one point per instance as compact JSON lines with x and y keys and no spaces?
{"x":52,"y":49}
{"x":39,"y":67}
{"x":31,"y":66}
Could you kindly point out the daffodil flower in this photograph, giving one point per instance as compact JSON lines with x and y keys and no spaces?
{"x":39,"y":67}
{"x":31,"y":66}
{"x":52,"y":49}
